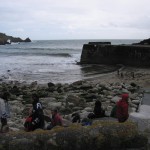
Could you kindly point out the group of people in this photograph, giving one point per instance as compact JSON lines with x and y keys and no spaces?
{"x":36,"y":116}
{"x":35,"y":119}
{"x":119,"y":111}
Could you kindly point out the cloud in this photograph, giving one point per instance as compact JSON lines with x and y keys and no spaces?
{"x":18,"y":30}
{"x":75,"y":18}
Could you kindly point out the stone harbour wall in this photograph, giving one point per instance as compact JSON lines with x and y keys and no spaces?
{"x":130,"y":55}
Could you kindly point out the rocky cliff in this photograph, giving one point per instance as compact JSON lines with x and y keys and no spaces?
{"x":5,"y":39}
{"x":144,"y":42}
{"x":132,"y":55}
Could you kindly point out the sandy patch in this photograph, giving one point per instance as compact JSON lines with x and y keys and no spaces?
{"x":140,"y":76}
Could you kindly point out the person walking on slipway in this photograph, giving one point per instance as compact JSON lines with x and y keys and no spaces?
{"x":4,"y":112}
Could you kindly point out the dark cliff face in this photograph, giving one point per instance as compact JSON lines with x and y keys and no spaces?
{"x":144,"y":42}
{"x":5,"y":39}
{"x":131,"y":55}
{"x":27,"y":40}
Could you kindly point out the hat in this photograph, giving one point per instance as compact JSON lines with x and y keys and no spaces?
{"x":125,"y":96}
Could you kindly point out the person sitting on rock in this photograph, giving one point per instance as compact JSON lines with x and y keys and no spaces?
{"x":37,"y":113}
{"x":122,"y":108}
{"x":28,"y":121}
{"x":56,"y":119}
{"x":4,"y":112}
{"x":98,"y":111}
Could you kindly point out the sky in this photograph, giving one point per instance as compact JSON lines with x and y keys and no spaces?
{"x":75,"y":19}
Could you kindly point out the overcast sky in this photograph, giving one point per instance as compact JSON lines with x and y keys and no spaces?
{"x":75,"y":19}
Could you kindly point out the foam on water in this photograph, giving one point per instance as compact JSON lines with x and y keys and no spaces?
{"x":44,"y":60}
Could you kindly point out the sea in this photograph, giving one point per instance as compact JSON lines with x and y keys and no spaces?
{"x":49,"y":61}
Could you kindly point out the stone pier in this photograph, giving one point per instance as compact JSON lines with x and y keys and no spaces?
{"x":105,"y":53}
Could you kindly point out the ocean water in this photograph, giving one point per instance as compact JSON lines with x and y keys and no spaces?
{"x":48,"y":61}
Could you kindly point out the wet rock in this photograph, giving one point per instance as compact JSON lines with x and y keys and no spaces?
{"x":50,"y":84}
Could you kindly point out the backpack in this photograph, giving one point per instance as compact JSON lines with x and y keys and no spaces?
{"x":28,"y":123}
{"x":91,"y":116}
{"x":75,"y":117}
{"x":114,"y":112}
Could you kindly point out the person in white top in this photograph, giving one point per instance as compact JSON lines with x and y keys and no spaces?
{"x":4,"y":110}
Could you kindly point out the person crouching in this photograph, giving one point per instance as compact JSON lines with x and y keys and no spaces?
{"x":56,"y":119}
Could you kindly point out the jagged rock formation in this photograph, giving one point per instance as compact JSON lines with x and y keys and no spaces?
{"x":102,"y":135}
{"x":27,"y":40}
{"x":5,"y":39}
{"x":132,"y":55}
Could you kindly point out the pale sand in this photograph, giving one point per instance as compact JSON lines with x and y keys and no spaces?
{"x":141,"y":77}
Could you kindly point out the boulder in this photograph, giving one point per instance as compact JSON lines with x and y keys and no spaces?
{"x":73,"y":99}
{"x":54,"y":105}
{"x":115,"y":99}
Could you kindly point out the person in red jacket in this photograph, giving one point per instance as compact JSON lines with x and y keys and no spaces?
{"x":56,"y":120}
{"x":122,"y":108}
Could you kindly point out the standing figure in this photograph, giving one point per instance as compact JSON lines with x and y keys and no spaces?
{"x":122,"y":108}
{"x":118,"y":72}
{"x":4,"y":112}
{"x":121,"y":74}
{"x":56,"y":120}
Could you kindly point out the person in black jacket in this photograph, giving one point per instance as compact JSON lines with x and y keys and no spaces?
{"x":98,"y":111}
{"x":37,"y":116}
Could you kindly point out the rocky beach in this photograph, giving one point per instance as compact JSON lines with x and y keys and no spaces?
{"x":75,"y":75}
{"x":78,"y":97}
